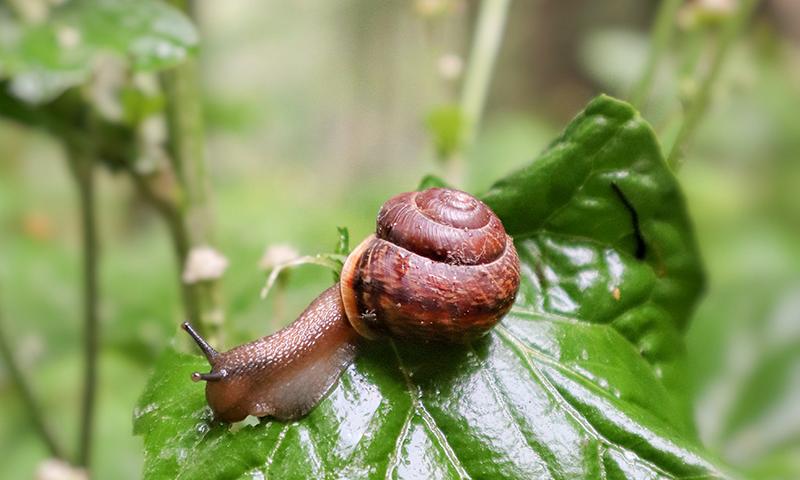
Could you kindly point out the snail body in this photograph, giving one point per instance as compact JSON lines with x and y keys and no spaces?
{"x":440,"y":268}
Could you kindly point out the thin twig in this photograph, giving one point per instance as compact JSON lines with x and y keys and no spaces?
{"x":662,"y":33}
{"x":699,"y":104}
{"x":28,"y":398}
{"x":65,"y":120}
{"x":83,"y":171}
{"x":152,"y":189}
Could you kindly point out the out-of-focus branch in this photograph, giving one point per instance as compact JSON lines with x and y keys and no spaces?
{"x":66,"y":119}
{"x":82,"y":167}
{"x":485,"y":45}
{"x":25,"y":391}
{"x":161,"y":189}
{"x":187,"y":151}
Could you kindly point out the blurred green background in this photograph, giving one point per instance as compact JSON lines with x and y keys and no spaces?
{"x":316,"y":113}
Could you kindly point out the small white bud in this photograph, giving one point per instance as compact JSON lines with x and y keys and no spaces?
{"x":703,"y":12}
{"x":32,"y":11}
{"x":450,"y":66}
{"x":718,"y":6}
{"x":204,"y":263}
{"x":431,"y":8}
{"x":54,"y":469}
{"x":68,"y":37}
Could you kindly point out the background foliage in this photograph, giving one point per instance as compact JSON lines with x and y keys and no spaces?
{"x":326,"y":108}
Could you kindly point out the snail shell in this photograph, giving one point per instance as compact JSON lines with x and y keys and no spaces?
{"x":440,"y":267}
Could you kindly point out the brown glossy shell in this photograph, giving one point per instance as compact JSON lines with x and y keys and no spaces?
{"x":440,"y":267}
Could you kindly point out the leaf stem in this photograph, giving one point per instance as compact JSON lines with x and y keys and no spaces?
{"x":661,"y":35}
{"x":483,"y":54}
{"x":83,"y":171}
{"x":699,"y":104}
{"x":28,"y":398}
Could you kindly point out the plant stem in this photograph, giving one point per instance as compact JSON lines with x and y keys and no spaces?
{"x":193,"y":225}
{"x":662,"y":33}
{"x":485,"y":45}
{"x":699,"y":104}
{"x":83,"y":171}
{"x":28,"y":398}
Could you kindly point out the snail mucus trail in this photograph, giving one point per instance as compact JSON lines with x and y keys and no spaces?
{"x":439,"y":268}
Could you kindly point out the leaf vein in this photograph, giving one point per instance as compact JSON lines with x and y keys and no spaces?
{"x":543,"y":453}
{"x":519,"y":347}
{"x":391,"y":465}
{"x":273,"y":452}
{"x":430,"y":423}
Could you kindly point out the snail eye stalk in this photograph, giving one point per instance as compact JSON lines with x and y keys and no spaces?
{"x":207,"y":349}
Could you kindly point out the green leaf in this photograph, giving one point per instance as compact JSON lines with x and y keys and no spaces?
{"x":579,"y":380}
{"x":45,"y":58}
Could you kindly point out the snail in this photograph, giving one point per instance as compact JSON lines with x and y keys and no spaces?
{"x":439,"y":268}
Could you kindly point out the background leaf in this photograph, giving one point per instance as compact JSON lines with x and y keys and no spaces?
{"x":749,"y":384}
{"x":579,"y":381}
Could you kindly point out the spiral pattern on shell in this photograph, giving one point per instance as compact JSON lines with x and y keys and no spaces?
{"x":440,"y":267}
